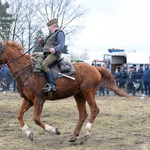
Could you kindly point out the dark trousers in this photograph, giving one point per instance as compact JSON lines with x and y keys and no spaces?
{"x":141,"y":88}
{"x":102,"y":90}
{"x":147,"y":87}
{"x":131,"y":88}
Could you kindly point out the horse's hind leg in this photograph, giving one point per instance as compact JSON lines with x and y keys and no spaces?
{"x":24,"y":107}
{"x":90,"y":97}
{"x":80,"y":101}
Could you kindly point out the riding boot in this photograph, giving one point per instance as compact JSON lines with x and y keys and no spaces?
{"x":51,"y":84}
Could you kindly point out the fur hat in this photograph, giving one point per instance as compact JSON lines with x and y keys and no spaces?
{"x":53,"y":21}
{"x":141,"y":65}
{"x":134,"y":65}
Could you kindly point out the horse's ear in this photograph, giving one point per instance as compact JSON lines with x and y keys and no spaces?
{"x":5,"y":41}
{"x":1,"y":41}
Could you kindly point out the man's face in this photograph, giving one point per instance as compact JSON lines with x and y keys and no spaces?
{"x":51,"y":28}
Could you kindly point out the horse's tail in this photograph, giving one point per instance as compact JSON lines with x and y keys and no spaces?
{"x":109,"y":82}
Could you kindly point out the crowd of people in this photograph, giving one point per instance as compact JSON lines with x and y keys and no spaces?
{"x":7,"y":82}
{"x":131,"y":79}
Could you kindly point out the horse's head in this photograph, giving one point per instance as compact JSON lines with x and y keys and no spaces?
{"x":2,"y":46}
{"x":6,"y":49}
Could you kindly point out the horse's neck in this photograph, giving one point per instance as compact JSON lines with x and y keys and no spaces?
{"x":18,"y":65}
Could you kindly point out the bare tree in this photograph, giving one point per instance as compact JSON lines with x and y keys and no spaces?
{"x":32,"y":16}
{"x":5,"y":21}
{"x":83,"y":56}
{"x":69,"y":14}
{"x":25,"y":22}
{"x":31,"y":23}
{"x":17,"y":27}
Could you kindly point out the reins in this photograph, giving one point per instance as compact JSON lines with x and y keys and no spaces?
{"x":19,"y":74}
{"x":24,"y":79}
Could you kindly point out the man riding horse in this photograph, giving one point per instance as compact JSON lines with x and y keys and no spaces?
{"x":52,"y":47}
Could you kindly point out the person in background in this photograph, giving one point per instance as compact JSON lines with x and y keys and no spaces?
{"x":4,"y":76}
{"x":124,"y":75}
{"x":39,"y":46}
{"x":133,"y":80}
{"x":146,"y":79}
{"x":116,"y":75}
{"x":103,"y":89}
{"x":14,"y":83}
{"x":134,"y":67}
{"x":7,"y":79}
{"x":120,"y":81}
{"x":130,"y":87}
{"x":140,"y":74}
{"x":124,"y":65}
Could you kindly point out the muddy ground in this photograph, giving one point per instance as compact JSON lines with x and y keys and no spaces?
{"x":123,"y":124}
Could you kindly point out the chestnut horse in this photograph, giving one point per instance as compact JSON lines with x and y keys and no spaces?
{"x":30,"y":87}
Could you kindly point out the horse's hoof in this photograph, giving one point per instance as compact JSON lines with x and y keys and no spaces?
{"x":31,"y":136}
{"x":86,"y":136}
{"x":72,"y":139}
{"x":57,"y":132}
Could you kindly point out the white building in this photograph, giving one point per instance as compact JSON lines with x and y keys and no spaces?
{"x":138,"y":58}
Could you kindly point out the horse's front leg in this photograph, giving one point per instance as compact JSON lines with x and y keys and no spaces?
{"x":38,"y":106}
{"x":24,"y":107}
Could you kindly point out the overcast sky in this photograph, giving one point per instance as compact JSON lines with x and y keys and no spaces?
{"x":123,"y":24}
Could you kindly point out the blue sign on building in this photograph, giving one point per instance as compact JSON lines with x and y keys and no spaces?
{"x":111,"y":50}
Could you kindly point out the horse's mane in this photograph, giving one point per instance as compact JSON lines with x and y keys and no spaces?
{"x":16,"y":46}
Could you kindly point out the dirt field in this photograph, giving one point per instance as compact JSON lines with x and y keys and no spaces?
{"x":122,"y":124}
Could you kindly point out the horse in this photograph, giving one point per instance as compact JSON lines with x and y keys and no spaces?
{"x":30,"y":88}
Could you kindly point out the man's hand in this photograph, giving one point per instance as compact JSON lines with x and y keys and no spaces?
{"x":40,"y":40}
{"x":52,"y":50}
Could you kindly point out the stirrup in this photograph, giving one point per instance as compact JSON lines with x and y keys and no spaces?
{"x":49,"y":87}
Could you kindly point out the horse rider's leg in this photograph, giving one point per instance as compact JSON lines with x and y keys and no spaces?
{"x":81,"y":105}
{"x":39,"y":60}
{"x":24,"y":107}
{"x":90,"y":97}
{"x":38,"y":106}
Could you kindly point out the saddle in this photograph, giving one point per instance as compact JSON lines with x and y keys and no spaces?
{"x":60,"y":68}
